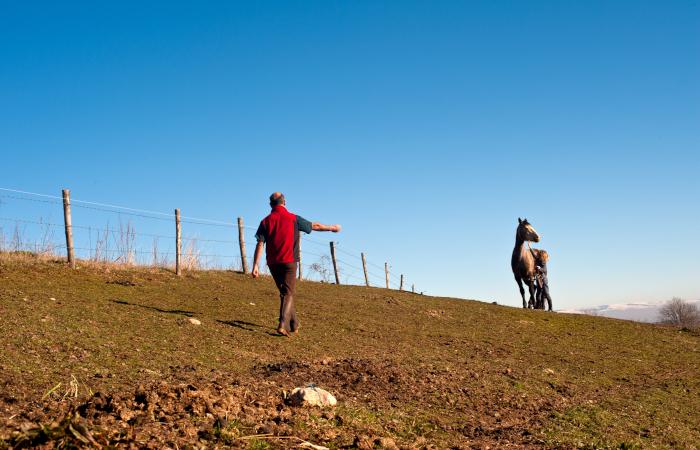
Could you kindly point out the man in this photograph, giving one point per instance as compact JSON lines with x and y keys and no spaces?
{"x":280,"y":231}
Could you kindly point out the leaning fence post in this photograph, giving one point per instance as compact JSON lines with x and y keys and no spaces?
{"x":178,"y":243}
{"x":69,"y":228}
{"x":386,"y":265}
{"x":401,"y":287}
{"x":364,"y":266}
{"x":335,"y":264}
{"x":241,"y":241}
{"x":299,"y":241}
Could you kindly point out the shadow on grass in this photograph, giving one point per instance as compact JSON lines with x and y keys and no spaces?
{"x":240,"y":324}
{"x":167,"y":311}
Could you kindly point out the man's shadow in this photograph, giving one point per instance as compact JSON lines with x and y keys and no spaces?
{"x":167,"y":311}
{"x":244,"y":326}
{"x":240,"y":324}
{"x":234,"y":323}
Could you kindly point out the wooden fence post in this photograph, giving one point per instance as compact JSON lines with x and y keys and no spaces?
{"x":69,"y":228}
{"x":241,"y":242}
{"x":401,"y":287}
{"x":335,"y":264}
{"x":178,"y":243}
{"x":300,"y":271}
{"x":413,"y":288}
{"x":364,"y":266}
{"x":386,"y":265}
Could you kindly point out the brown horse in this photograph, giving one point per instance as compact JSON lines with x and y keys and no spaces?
{"x":522,"y":262}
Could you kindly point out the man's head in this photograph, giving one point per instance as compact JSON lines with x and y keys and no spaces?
{"x":277,"y":199}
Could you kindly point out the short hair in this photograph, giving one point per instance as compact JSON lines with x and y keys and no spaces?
{"x":544,"y":256}
{"x":276,"y":200}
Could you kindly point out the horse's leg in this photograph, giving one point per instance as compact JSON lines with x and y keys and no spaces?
{"x":531,"y":285}
{"x":522,"y":290}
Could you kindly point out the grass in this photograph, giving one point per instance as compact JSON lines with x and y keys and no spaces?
{"x":597,"y":382}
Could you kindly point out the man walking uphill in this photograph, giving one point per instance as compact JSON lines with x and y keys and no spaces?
{"x":280,"y":231}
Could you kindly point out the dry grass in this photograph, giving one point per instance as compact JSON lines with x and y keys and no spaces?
{"x":114,"y":248}
{"x":15,"y":244}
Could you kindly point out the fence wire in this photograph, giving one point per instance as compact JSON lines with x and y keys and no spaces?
{"x":193,"y":221}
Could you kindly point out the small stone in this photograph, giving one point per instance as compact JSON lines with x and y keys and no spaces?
{"x":549,"y":371}
{"x":220,"y":423}
{"x":387,"y":443}
{"x":194,"y":321}
{"x":253,"y":304}
{"x":265,"y":429}
{"x":52,"y":299}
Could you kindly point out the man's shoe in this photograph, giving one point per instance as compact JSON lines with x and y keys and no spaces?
{"x":284,"y":332}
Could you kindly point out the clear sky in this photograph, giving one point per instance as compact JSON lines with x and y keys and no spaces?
{"x":425,"y":129}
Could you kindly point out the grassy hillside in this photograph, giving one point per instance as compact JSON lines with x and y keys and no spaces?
{"x":409,"y":371}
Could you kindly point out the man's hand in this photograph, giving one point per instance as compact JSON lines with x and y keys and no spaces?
{"x":335,"y":228}
{"x":256,"y":258}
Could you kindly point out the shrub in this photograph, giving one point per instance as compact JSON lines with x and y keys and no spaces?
{"x":680,"y":313}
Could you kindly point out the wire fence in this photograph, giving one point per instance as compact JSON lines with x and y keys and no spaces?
{"x":149,"y":247}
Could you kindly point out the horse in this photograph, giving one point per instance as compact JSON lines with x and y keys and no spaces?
{"x":522,"y":262}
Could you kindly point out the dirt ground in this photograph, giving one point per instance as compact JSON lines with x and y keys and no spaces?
{"x":190,"y":409}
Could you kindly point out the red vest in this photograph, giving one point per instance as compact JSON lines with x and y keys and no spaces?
{"x":282,"y":236}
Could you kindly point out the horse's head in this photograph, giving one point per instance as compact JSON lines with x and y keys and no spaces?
{"x":526,"y":232}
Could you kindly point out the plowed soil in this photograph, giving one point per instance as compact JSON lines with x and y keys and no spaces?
{"x":215,"y":409}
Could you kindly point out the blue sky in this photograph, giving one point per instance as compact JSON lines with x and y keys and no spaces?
{"x":424,"y":128}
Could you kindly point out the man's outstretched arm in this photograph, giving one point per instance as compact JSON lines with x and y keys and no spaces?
{"x":321,"y":227}
{"x":256,"y":259}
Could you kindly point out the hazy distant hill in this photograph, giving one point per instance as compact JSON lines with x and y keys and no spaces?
{"x":641,"y":311}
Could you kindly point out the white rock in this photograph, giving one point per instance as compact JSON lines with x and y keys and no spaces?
{"x":311,"y":397}
{"x":195,"y":321}
{"x":549,"y":371}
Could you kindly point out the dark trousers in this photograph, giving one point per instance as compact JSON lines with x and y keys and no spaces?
{"x":285,"y":275}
